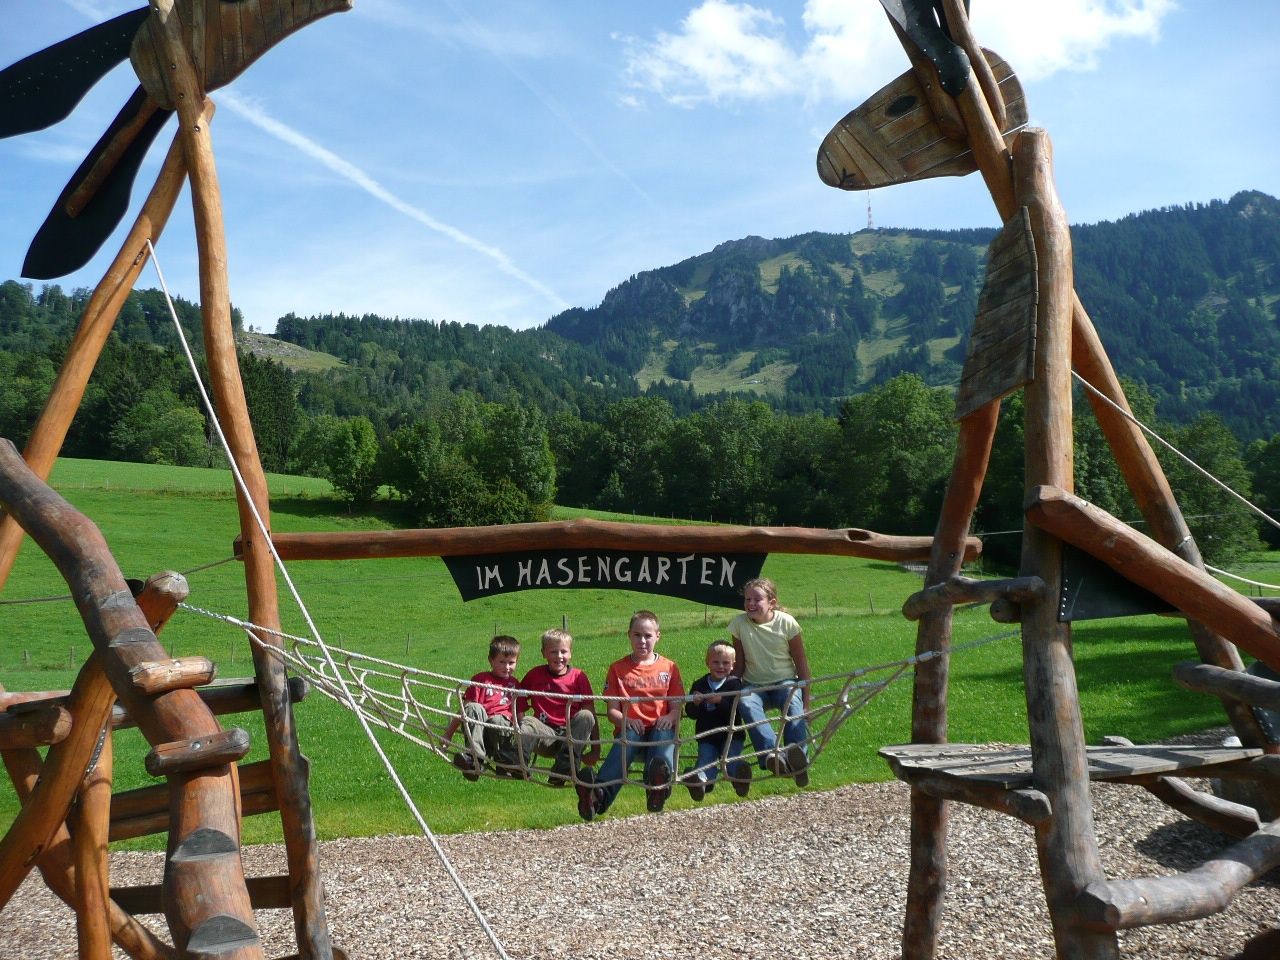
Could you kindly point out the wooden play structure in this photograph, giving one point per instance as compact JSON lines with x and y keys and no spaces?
{"x":958,"y":109}
{"x":180,"y":51}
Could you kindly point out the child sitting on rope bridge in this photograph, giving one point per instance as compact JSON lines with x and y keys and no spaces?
{"x":561,"y":723}
{"x":488,"y":715}
{"x":775,"y":668}
{"x":713,"y":708}
{"x":645,"y":724}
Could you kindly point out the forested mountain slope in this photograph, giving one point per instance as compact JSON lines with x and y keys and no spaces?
{"x":1184,"y":298}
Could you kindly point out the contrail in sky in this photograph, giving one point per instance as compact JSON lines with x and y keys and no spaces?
{"x":553,"y":107}
{"x":350,"y":172}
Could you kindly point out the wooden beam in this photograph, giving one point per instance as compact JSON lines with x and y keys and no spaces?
{"x":1216,"y":813}
{"x":221,"y":698}
{"x":1026,"y":804}
{"x":930,"y":814}
{"x":34,"y":727}
{"x":266,"y":893}
{"x":56,"y":866}
{"x":1151,"y":492}
{"x":602,"y":535}
{"x":1199,"y":893}
{"x":145,"y":810}
{"x":1235,"y":684}
{"x":1156,"y":569}
{"x":958,"y":590}
{"x":1066,"y":843}
{"x":89,"y":855}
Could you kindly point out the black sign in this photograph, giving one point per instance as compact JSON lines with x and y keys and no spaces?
{"x":714,"y":578}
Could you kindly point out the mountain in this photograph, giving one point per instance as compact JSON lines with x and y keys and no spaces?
{"x":1183,"y":297}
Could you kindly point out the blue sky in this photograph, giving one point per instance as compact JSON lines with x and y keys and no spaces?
{"x":499,"y":162}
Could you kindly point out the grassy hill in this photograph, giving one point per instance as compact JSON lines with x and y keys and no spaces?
{"x":290,"y":354}
{"x":407,"y":611}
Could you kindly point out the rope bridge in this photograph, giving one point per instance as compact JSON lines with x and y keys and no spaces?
{"x":420,"y":705}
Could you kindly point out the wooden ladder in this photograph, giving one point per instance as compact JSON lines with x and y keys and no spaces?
{"x":69,"y":815}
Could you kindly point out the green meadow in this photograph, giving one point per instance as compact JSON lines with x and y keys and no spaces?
{"x":407,"y":611}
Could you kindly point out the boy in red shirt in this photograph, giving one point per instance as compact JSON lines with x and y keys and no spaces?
{"x":488,"y":715}
{"x":561,"y":722}
{"x":645,"y":724}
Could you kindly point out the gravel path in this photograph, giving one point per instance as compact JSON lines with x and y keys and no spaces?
{"x":809,"y":875}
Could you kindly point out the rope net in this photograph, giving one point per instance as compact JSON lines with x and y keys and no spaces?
{"x":421,"y":706}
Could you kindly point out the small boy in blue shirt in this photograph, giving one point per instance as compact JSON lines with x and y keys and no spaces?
{"x":712,"y":706}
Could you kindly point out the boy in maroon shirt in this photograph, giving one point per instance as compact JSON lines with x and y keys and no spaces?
{"x":488,"y":715}
{"x":561,"y":721}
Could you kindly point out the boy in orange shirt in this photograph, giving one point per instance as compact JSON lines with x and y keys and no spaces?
{"x":645,"y":724}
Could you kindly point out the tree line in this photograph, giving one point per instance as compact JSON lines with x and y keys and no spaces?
{"x":881,"y":462}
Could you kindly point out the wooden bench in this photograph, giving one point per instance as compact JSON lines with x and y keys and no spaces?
{"x":1000,"y":778}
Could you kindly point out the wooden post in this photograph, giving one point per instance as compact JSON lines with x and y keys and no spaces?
{"x":89,"y":845}
{"x":1134,"y":457}
{"x":291,"y":770}
{"x":930,"y":816}
{"x":1066,"y":842}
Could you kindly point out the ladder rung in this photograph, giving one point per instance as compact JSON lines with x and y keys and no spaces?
{"x":265,"y":893}
{"x":180,"y":673}
{"x":198,"y":753}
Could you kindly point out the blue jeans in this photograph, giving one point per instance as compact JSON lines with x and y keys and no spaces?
{"x":786,"y":699}
{"x":710,"y":750}
{"x":651,"y":746}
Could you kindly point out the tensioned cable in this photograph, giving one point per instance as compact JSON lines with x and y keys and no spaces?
{"x":1175,"y":451}
{"x":315,"y":632}
{"x":1236,"y":576}
{"x":62,"y":597}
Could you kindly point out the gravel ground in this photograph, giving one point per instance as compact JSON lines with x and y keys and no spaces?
{"x":809,"y":875}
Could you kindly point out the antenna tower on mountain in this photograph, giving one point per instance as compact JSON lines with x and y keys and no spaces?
{"x":871,"y":223}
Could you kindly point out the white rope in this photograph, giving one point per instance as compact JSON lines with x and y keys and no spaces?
{"x":1175,"y":451}
{"x":315,"y":632}
{"x":1236,"y":576}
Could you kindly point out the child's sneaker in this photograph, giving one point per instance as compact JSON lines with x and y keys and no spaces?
{"x":697,"y":786}
{"x":741,"y":781}
{"x":776,"y":764}
{"x":561,"y":773}
{"x":657,"y":779}
{"x":468,"y":766}
{"x":588,"y":795}
{"x":798,"y":764}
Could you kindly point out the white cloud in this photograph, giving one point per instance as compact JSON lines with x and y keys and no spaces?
{"x":728,"y":51}
{"x":724,"y":51}
{"x":1043,"y":39}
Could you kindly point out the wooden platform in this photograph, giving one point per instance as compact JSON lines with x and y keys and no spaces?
{"x":1010,"y":767}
